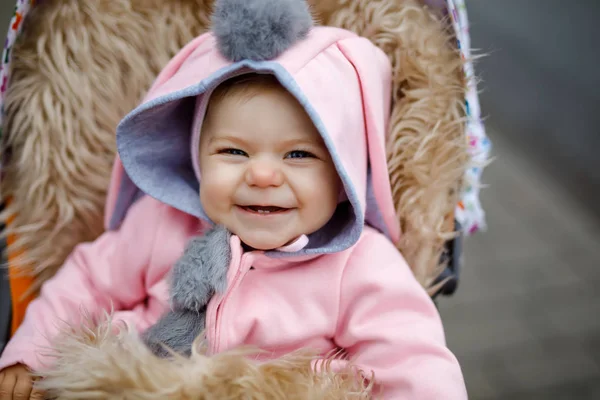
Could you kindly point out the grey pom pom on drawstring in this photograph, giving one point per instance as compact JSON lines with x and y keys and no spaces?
{"x":259,"y":29}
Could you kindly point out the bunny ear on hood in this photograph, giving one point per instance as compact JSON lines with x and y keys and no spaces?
{"x":342,"y":81}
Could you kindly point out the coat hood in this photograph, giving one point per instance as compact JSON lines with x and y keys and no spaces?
{"x":342,"y":81}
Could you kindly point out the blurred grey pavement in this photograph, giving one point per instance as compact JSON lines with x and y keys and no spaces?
{"x":525,"y":321}
{"x":541,"y":84}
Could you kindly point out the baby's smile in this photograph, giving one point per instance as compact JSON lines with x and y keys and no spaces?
{"x":265,"y":210}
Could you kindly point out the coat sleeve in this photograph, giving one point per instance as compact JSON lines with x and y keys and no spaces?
{"x":105,"y":275}
{"x":390,"y":327}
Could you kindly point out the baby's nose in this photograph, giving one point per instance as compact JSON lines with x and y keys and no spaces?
{"x":264,"y":173}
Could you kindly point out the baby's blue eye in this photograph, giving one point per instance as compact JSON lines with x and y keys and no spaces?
{"x":299,"y":154}
{"x":233,"y":152}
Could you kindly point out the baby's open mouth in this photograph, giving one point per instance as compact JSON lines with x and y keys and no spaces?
{"x":264,"y":209}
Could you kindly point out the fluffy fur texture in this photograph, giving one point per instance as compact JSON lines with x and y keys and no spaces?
{"x":175,"y":332}
{"x":201,"y":271}
{"x":197,"y":276}
{"x":77,"y":69}
{"x":105,"y":363}
{"x":67,"y":94}
{"x":259,"y":29}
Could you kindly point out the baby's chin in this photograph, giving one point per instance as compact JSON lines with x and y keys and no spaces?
{"x":265,"y":244}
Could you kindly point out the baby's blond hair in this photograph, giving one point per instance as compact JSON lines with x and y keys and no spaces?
{"x":244,"y":87}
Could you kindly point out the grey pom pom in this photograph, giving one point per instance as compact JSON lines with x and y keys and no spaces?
{"x":259,"y":29}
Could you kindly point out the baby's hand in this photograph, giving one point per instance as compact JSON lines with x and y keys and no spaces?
{"x":16,"y":383}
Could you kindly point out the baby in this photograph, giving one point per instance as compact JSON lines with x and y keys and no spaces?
{"x":273,"y":146}
{"x":266,"y":176}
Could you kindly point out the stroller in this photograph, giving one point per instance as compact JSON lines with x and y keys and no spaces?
{"x":72,"y":69}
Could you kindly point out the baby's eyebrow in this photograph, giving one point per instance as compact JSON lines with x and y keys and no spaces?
{"x":298,"y":142}
{"x":226,"y":138}
{"x":301,"y":137}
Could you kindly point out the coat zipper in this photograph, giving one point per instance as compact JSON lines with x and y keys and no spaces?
{"x":241,"y":272}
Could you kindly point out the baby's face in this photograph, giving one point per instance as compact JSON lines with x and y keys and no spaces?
{"x":266,"y":173}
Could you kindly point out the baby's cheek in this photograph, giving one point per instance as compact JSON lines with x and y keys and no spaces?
{"x":213,"y":187}
{"x":217,"y":182}
{"x":211,"y":194}
{"x":330,"y":186}
{"x":312,"y":186}
{"x":320,"y":200}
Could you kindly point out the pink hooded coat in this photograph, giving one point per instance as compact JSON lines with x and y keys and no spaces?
{"x":347,"y":288}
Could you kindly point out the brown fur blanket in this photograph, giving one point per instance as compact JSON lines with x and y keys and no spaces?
{"x":80,"y":65}
{"x":105,"y":363}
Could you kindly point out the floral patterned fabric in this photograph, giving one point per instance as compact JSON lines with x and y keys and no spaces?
{"x":21,"y":10}
{"x":469,"y":212}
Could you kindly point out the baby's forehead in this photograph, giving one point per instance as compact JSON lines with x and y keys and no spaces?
{"x":257,"y":108}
